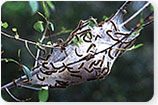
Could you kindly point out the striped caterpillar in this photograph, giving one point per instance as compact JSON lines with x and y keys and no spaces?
{"x":98,"y":46}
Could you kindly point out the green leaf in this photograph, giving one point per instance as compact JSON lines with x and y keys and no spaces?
{"x":38,"y":44}
{"x":141,"y":27}
{"x":105,"y":17}
{"x":46,"y":12}
{"x":67,"y":31}
{"x":75,"y":41}
{"x":141,"y":18}
{"x":19,"y":52}
{"x":34,"y":6}
{"x":49,"y":43}
{"x":91,"y":24}
{"x":80,"y":40}
{"x":63,"y":28}
{"x":27,"y":72}
{"x":134,"y":47}
{"x":137,"y":46}
{"x":38,"y":26}
{"x":14,"y":29}
{"x":4,"y":25}
{"x":51,"y":26}
{"x":16,"y":33}
{"x":76,"y":44}
{"x":89,"y":36}
{"x":51,"y":5}
{"x":16,"y":36}
{"x":43,"y":95}
{"x":151,"y":8}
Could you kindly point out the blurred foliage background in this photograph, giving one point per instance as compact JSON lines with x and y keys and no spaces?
{"x":131,"y":78}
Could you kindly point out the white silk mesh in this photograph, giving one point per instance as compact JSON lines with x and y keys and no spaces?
{"x":91,"y":60}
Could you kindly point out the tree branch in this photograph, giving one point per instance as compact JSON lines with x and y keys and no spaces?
{"x":121,"y":8}
{"x":42,"y":39}
{"x":149,"y":20}
{"x":12,"y":84}
{"x":28,"y":87}
{"x":23,"y":40}
{"x":26,"y":45}
{"x":12,"y":95}
{"x":135,"y":14}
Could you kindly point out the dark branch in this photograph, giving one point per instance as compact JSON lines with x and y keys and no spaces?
{"x":23,"y":40}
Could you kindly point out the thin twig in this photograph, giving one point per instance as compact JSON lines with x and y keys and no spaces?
{"x":135,"y":14}
{"x":42,"y":39}
{"x":56,"y":34}
{"x":19,"y":80}
{"x":23,"y":40}
{"x":12,"y":95}
{"x":149,"y":20}
{"x":145,"y":24}
{"x":28,"y":87}
{"x":26,"y":45}
{"x":121,"y":8}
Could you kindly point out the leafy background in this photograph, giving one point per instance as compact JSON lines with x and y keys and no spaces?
{"x":131,"y":78}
